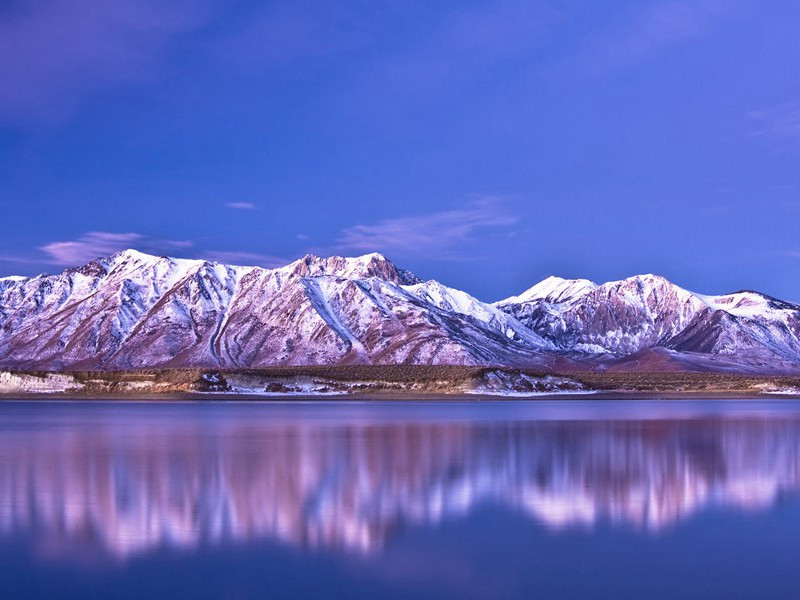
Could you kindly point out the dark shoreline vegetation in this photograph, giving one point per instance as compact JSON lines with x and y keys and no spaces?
{"x":386,"y":380}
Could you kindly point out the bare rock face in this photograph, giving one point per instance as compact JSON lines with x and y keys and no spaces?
{"x":133,"y":310}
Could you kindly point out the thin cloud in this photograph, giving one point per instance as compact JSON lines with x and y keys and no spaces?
{"x":441,"y":234}
{"x":241,"y":205}
{"x":96,"y":244}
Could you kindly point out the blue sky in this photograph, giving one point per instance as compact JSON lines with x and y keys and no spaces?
{"x":484,"y":144}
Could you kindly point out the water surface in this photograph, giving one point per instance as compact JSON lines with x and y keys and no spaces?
{"x":608,"y":499}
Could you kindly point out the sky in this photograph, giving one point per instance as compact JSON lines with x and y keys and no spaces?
{"x":484,"y":144}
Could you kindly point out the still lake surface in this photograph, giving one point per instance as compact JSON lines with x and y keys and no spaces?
{"x":567,"y":499}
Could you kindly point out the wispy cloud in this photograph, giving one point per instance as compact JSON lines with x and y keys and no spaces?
{"x":241,"y":205}
{"x":96,"y":244}
{"x":55,"y":52}
{"x":441,"y":234}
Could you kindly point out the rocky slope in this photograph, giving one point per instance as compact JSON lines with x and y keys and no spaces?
{"x":133,"y":310}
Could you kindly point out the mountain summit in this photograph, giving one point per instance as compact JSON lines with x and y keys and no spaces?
{"x":133,"y":310}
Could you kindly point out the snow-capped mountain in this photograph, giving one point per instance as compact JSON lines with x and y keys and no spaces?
{"x":622,"y":318}
{"x":133,"y":310}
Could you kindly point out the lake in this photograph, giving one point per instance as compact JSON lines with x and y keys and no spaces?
{"x":553,"y":499}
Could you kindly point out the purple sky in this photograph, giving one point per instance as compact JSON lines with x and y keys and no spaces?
{"x":484,"y":144}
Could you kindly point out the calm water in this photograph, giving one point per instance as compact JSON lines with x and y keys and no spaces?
{"x":634,"y":499}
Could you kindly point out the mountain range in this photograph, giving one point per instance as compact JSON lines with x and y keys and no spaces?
{"x":132,"y":310}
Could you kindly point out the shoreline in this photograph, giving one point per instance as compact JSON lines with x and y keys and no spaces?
{"x":399,"y":397}
{"x":390,"y":382}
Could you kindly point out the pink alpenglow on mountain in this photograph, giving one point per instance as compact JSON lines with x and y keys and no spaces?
{"x":132,"y":310}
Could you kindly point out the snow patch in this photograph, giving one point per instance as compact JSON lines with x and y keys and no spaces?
{"x":784,"y":390}
{"x":23,"y":383}
{"x":553,"y":289}
{"x":519,"y":385}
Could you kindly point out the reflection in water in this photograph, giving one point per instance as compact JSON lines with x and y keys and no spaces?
{"x":124,"y":486}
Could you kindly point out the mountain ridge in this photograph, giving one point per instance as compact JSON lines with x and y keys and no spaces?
{"x":134,"y":310}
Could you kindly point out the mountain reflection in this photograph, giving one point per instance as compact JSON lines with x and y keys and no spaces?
{"x":124,"y":488}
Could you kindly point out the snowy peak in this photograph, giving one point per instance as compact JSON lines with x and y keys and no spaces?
{"x":552,"y":289}
{"x":556,"y":290}
{"x":126,"y":260}
{"x":359,"y":267}
{"x":642,"y":285}
{"x":131,"y":255}
{"x":643,"y":312}
{"x":11,"y":280}
{"x":747,"y":304}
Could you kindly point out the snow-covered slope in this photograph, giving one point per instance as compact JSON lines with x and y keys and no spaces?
{"x":456,"y":301}
{"x":133,"y":310}
{"x":624,"y":317}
